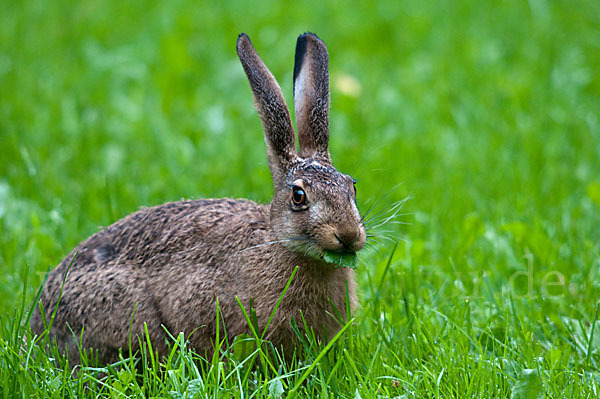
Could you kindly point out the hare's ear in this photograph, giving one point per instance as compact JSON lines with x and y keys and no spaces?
{"x":269,"y":102}
{"x":311,"y":96}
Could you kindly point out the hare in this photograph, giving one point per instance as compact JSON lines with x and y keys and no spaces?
{"x":171,"y":263}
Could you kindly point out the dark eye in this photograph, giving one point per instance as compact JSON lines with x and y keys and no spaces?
{"x":298,"y":196}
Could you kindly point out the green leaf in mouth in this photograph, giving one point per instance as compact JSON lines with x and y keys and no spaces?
{"x":344,"y":259}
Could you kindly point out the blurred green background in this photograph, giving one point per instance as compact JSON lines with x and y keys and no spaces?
{"x":485,"y":113}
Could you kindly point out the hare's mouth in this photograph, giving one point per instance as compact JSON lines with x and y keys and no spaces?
{"x":341,"y":258}
{"x":333,"y":250}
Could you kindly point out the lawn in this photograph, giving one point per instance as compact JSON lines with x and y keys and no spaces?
{"x":483,"y":116}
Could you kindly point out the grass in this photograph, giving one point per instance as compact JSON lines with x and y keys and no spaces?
{"x":486,"y":115}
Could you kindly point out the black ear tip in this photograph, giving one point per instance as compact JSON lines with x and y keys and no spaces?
{"x":300,"y":53}
{"x":244,"y":46}
{"x":311,"y":40}
{"x":308,"y":42}
{"x":241,"y":40}
{"x":308,"y":35}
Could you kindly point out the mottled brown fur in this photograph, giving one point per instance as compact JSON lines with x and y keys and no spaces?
{"x":173,"y":261}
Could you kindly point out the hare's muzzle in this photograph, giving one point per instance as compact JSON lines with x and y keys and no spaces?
{"x":349,"y":238}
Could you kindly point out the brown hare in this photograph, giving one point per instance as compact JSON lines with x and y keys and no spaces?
{"x":172,"y":262}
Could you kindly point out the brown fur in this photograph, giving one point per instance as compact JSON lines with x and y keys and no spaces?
{"x":172,"y":262}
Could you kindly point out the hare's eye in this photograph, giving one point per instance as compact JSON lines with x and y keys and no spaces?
{"x":298,"y":196}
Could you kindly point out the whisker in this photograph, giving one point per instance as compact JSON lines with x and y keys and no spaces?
{"x":373,"y":246}
{"x":396,"y":206}
{"x":394,"y":221}
{"x":378,"y":199}
{"x":371,"y":207}
{"x":380,"y":233}
{"x":387,"y":238}
{"x":386,"y":217}
{"x":386,"y":222}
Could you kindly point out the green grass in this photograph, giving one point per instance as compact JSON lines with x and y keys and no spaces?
{"x":485,"y":114}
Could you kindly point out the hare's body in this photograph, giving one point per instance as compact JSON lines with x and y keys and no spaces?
{"x":174,"y":261}
{"x":168,"y":266}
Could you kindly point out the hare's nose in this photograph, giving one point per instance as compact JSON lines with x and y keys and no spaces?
{"x":351,"y":239}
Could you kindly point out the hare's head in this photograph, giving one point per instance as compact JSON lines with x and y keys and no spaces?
{"x":314,"y":205}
